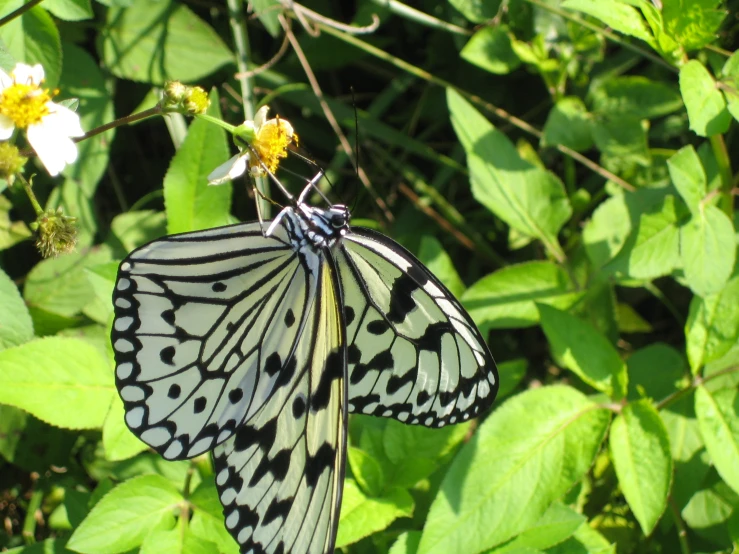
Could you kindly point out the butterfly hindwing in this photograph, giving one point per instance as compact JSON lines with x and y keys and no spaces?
{"x":280,"y":476}
{"x":205,"y":326}
{"x":414,"y":354}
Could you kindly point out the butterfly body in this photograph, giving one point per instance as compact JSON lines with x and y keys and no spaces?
{"x":255,"y":341}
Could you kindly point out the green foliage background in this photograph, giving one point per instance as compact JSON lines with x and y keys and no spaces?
{"x":567,"y":168}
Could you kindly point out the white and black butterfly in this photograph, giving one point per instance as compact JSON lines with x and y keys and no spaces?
{"x":255,"y":340}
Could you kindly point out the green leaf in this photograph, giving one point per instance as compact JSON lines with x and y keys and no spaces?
{"x":507,"y":298}
{"x":718,"y":418}
{"x":366,"y":470}
{"x":134,"y":229}
{"x":49,"y":546}
{"x":586,"y":540}
{"x":557,"y":524}
{"x":119,"y":443}
{"x":11,"y":232}
{"x":688,"y":177}
{"x":629,"y":320}
{"x":527,"y":454}
{"x":70,"y":10}
{"x":529,"y":199}
{"x":126,"y":515}
{"x":407,"y":543}
{"x":83,"y":79}
{"x":710,"y":508}
{"x":707,"y":250}
{"x":731,"y":75}
{"x":490,"y":49}
{"x":638,"y":435}
{"x":433,"y":256}
{"x":47,"y":376}
{"x":477,"y":11}
{"x":693,"y":23}
{"x":362,"y":515}
{"x":584,"y":351}
{"x":705,"y":103}
{"x":191,"y":203}
{"x":33,"y":38}
{"x":207,"y":519}
{"x":712,"y":328}
{"x":644,"y":380}
{"x":635,"y":96}
{"x":620,"y":17}
{"x":511,"y":373}
{"x":623,"y":142}
{"x":154,"y":42}
{"x":174,"y":541}
{"x":60,"y":285}
{"x":16,"y":326}
{"x":569,"y":124}
{"x":653,"y":248}
{"x":606,"y":232}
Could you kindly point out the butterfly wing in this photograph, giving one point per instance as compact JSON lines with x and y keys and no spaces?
{"x":414,"y":353}
{"x":206,"y":327}
{"x":280,"y":476}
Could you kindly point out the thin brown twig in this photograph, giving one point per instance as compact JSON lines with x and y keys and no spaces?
{"x":433,"y":214}
{"x":331,"y":118}
{"x":265,"y":66}
{"x":304,"y":14}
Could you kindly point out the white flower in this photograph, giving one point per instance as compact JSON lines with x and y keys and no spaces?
{"x":49,"y":126}
{"x":269,"y":139}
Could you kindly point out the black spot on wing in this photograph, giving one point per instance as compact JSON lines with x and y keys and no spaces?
{"x":235,"y":395}
{"x":287,"y":373}
{"x":263,"y":437}
{"x":289,"y":318}
{"x":333,"y":369}
{"x":401,"y":298}
{"x":167,"y":355}
{"x":353,"y":354}
{"x":168,"y":316}
{"x":272,"y":364}
{"x":298,"y":407}
{"x":199,"y":405}
{"x":378,"y":327}
{"x":431,"y":339}
{"x":348,"y":315}
{"x":381,"y":361}
{"x":278,"y":509}
{"x":316,"y":465}
{"x":218,"y":287}
{"x":280,"y":464}
{"x":174,"y":391}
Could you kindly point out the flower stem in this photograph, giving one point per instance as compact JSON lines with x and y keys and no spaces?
{"x":31,"y":196}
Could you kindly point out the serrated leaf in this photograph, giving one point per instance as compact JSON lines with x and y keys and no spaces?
{"x":529,"y":199}
{"x":653,"y":248}
{"x":693,"y":23}
{"x":190,"y":202}
{"x":46,"y":377}
{"x":712,"y":328}
{"x":362,"y":515}
{"x":688,"y":177}
{"x":507,"y":298}
{"x":705,"y":103}
{"x":527,"y":454}
{"x":718,"y":418}
{"x":584,"y":351}
{"x":640,"y":448}
{"x":153,"y":42}
{"x":620,"y":17}
{"x":16,"y":326}
{"x":707,"y":250}
{"x":123,"y":518}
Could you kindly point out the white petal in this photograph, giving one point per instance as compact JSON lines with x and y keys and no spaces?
{"x":27,"y":74}
{"x":5,"y":80}
{"x":55,"y":150}
{"x":229,"y":170}
{"x":64,"y":119}
{"x":260,"y":117}
{"x":6,"y":127}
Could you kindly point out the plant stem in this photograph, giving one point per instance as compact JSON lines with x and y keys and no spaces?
{"x":420,"y":17}
{"x":31,"y":195}
{"x":682,"y":532}
{"x":724,"y":169}
{"x":20,"y":11}
{"x":29,"y":522}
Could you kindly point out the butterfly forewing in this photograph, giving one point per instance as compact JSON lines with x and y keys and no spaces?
{"x":203,"y":333}
{"x":280,"y":475}
{"x":414,"y":354}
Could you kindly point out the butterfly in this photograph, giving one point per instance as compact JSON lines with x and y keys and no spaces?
{"x":255,"y":341}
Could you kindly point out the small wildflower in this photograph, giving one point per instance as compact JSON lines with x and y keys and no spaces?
{"x":269,"y":139}
{"x":11,"y":162}
{"x":183,"y":99}
{"x":49,"y":126}
{"x":56,"y":233}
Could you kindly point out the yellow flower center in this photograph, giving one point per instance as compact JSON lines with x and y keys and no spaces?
{"x":24,"y":104}
{"x":272,"y":141}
